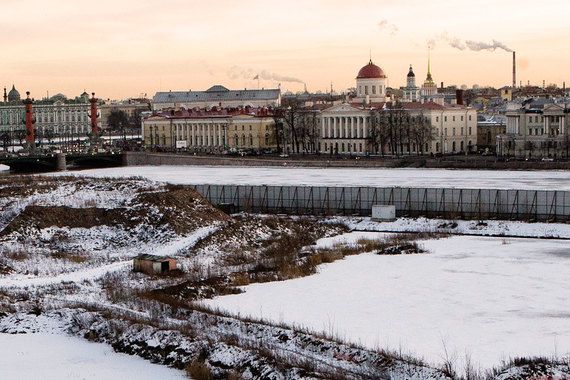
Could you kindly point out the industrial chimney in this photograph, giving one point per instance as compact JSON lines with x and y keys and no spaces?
{"x":514,"y":70}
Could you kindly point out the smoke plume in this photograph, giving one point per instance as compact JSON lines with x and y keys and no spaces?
{"x":478,"y":46}
{"x":237,"y":72}
{"x":459,"y":44}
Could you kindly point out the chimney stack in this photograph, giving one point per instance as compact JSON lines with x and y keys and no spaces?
{"x":459,"y":97}
{"x":514,"y":69}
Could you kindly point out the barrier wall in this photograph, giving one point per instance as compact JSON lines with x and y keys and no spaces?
{"x":524,"y":205}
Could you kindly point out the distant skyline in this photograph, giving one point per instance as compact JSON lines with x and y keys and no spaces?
{"x":124,"y":48}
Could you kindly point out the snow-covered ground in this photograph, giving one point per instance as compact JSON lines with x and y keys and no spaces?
{"x":495,"y":179}
{"x":59,"y":357}
{"x":460,"y":227}
{"x":490,"y":298}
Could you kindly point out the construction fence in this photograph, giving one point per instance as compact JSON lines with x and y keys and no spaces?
{"x":524,"y":205}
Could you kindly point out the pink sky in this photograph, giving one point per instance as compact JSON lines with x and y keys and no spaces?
{"x":123,"y":48}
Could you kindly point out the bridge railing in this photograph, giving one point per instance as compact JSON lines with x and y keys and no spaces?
{"x":527,"y":205}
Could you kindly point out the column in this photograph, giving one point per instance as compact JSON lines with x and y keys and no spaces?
{"x":335,"y":132}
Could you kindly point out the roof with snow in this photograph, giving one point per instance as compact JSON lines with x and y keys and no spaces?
{"x":216,"y":93}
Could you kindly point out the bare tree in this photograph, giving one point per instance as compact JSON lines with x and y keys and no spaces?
{"x":395,"y":128}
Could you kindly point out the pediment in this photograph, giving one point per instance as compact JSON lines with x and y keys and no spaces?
{"x":342,"y":108}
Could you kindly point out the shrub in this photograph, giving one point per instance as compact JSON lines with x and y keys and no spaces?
{"x":198,"y":370}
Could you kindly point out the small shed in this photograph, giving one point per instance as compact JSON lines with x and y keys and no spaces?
{"x":383,"y":213}
{"x":152,"y":264}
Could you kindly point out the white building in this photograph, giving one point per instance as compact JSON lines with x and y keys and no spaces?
{"x":57,"y":114}
{"x":411,"y":91}
{"x":350,"y":128}
{"x":370,"y":85}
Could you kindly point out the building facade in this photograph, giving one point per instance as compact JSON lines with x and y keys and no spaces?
{"x":55,"y":116}
{"x":354,"y":128}
{"x":411,"y":93}
{"x":536,"y":128}
{"x":216,"y":96}
{"x":370,"y":85}
{"x":488,"y":128}
{"x":210,"y":131}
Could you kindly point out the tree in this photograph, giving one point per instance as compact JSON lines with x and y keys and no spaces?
{"x":395,"y":128}
{"x":21,"y":136}
{"x":6,"y":140}
{"x":118,"y":121}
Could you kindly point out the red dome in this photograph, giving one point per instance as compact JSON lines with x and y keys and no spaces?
{"x":370,"y":71}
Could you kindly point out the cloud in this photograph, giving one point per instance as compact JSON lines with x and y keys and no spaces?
{"x":384,"y":25}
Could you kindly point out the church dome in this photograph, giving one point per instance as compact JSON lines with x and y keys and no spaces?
{"x":370,"y":71}
{"x":411,"y":73}
{"x":13,"y":95}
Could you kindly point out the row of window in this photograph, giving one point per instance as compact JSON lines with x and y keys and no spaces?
{"x":452,"y":118}
{"x":540,"y":119}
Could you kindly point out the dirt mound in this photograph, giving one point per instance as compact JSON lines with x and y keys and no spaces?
{"x":39,"y":217}
{"x":183,"y":208}
{"x":177,"y":208}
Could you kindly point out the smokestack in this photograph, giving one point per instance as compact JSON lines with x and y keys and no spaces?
{"x":459,"y":97}
{"x":514,"y":69}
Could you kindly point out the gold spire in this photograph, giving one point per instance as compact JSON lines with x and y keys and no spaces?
{"x":429,"y":78}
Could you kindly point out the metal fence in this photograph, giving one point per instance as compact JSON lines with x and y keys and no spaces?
{"x":526,"y":205}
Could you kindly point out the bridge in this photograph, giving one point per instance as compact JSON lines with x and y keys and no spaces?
{"x":62,"y":161}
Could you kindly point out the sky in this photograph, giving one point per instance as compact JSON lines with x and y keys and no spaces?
{"x":125,"y":48}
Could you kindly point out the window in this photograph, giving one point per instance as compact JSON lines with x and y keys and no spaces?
{"x":469,"y":130}
{"x":374,"y":90}
{"x":365,"y":93}
{"x":461,"y":118}
{"x":453,"y":131}
{"x":453,"y":118}
{"x":445,"y":119}
{"x":469,"y":117}
{"x":437,"y":119}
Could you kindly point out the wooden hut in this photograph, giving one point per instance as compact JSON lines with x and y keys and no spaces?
{"x":152,"y":264}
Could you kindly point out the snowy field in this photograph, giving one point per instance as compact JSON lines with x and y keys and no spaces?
{"x":44,"y":356}
{"x":547,"y":180}
{"x":490,"y":298}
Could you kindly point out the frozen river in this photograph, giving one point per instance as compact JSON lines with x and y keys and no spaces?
{"x":547,"y":180}
{"x":490,"y":298}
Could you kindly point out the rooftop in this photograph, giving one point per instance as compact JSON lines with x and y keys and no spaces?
{"x":216,"y":93}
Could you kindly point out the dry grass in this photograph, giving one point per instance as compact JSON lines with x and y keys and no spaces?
{"x":71,"y":257}
{"x":16,"y":255}
{"x":198,"y":370}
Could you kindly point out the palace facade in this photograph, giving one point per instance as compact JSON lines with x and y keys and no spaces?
{"x":351,"y":127}
{"x":212,"y":131}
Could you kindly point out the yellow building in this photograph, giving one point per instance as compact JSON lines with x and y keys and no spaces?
{"x":209,"y":131}
{"x":252,"y":132}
